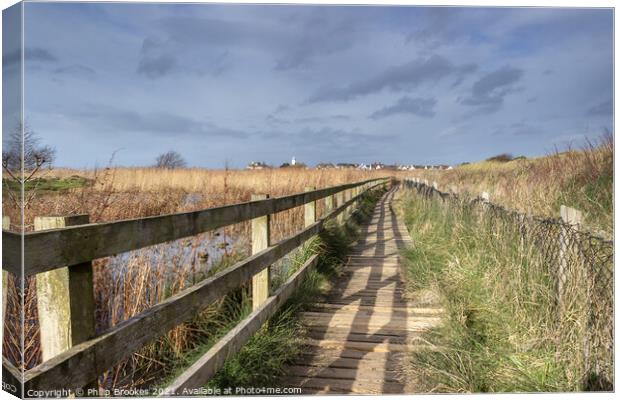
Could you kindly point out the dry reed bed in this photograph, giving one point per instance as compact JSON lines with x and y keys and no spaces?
{"x":148,"y":276}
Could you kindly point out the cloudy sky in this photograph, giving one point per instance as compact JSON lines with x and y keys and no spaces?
{"x":224,"y":83}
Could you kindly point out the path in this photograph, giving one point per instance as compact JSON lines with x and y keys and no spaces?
{"x":361,"y":335}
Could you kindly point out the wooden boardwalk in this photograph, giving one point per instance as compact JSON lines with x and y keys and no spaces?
{"x":362,"y":333}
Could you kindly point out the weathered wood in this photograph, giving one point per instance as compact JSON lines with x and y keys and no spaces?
{"x":85,"y":361}
{"x":365,"y":319}
{"x":572,"y":219}
{"x":54,"y":248}
{"x":347,"y":198}
{"x":339,"y":203}
{"x":329,"y":204}
{"x":260,"y":241}
{"x":12,"y":252}
{"x":6,"y":223}
{"x":309,"y":209}
{"x":65,"y":298}
{"x":204,"y":369}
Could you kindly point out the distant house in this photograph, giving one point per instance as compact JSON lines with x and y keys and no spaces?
{"x":325,"y":166}
{"x":346,"y":165}
{"x":257,"y":165}
{"x":377,"y":165}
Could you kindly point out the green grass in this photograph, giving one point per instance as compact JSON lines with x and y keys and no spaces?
{"x":501,"y":332}
{"x":262,"y":361}
{"x":49,"y":184}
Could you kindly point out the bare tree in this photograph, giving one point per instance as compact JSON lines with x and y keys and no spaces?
{"x":23,"y":149}
{"x":170,"y":160}
{"x":35,"y":155}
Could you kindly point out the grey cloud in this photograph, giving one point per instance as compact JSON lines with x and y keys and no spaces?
{"x":154,"y":62}
{"x":155,"y":67}
{"x":604,"y":108}
{"x":336,"y":117}
{"x":399,"y":78}
{"x":36,"y":54}
{"x":321,"y":34}
{"x":524,"y":129}
{"x":161,"y":57}
{"x":123,"y":121}
{"x":282,"y":108}
{"x":422,"y":107}
{"x":440,"y":25}
{"x":489,"y":91}
{"x":295,"y":46}
{"x":274,"y":120}
{"x":518,"y":129}
{"x":75,"y":70}
{"x":327,"y":138}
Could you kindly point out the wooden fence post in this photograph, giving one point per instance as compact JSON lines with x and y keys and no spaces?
{"x":347,"y":197}
{"x":572,"y":218}
{"x":339,"y":203}
{"x":260,"y":241}
{"x":65,"y":298}
{"x":6,"y":225}
{"x":329,"y":204}
{"x":309,"y":209}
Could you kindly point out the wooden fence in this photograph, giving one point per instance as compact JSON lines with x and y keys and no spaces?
{"x":61,"y":259}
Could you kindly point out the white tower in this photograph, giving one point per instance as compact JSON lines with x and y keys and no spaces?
{"x":293,"y":161}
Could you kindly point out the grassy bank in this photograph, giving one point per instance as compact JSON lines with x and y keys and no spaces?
{"x":262,"y":361}
{"x":582,"y":179}
{"x":502,"y":331}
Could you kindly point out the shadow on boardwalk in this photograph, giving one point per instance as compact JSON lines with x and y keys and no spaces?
{"x":361,"y":335}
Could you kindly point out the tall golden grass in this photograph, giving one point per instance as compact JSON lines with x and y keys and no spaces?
{"x":150,"y":275}
{"x":582,"y":179}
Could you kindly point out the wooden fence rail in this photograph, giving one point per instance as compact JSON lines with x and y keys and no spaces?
{"x":80,"y":365}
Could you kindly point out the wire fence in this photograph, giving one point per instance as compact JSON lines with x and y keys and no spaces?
{"x":579,"y":266}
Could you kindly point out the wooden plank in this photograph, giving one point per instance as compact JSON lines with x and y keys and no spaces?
{"x":377,"y":375}
{"x":54,"y":248}
{"x":364,"y":346}
{"x":203,"y":369}
{"x":346,"y":334}
{"x":413,"y":311}
{"x":83,"y":363}
{"x":320,"y":353}
{"x":260,"y":241}
{"x":12,"y":252}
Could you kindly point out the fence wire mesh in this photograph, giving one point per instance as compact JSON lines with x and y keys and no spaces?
{"x":579,"y":267}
